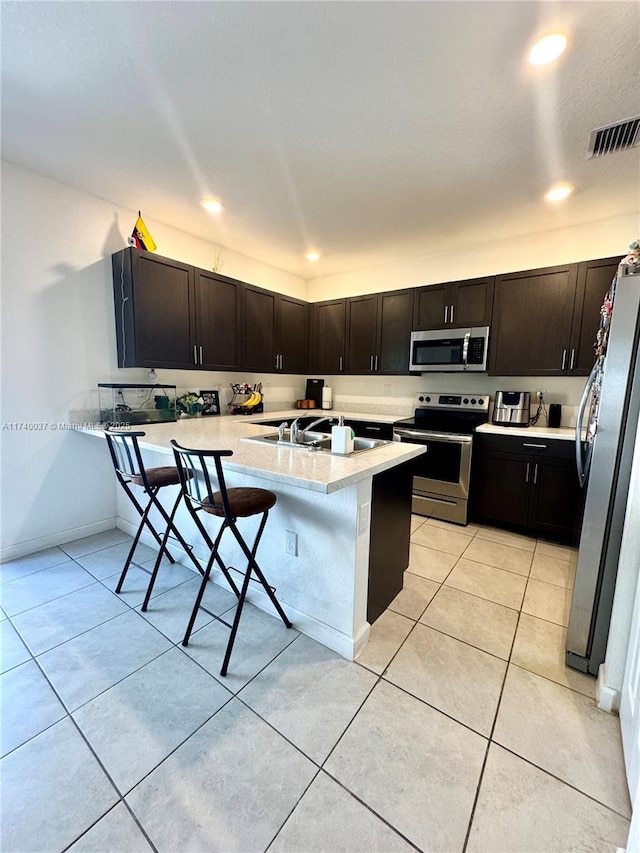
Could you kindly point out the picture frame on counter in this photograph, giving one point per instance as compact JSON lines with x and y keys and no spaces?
{"x":210,"y":402}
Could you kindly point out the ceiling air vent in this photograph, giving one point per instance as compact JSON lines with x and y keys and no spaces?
{"x":614,"y":137}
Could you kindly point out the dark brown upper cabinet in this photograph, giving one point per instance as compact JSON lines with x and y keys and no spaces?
{"x":327,"y":343}
{"x":594,"y":280}
{"x":169,"y":314}
{"x":274,"y":332}
{"x":292,"y":334}
{"x":454,"y":305}
{"x":218,"y":303}
{"x":545,"y":321}
{"x":379,"y":332}
{"x":532,"y":319}
{"x":154,"y":310}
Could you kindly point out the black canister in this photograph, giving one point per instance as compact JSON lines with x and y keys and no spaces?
{"x":555,"y":415}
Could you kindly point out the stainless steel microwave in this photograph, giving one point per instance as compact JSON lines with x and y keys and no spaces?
{"x":450,"y":350}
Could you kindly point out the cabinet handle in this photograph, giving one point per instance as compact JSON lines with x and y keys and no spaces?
{"x":543,"y":446}
{"x":526,"y":476}
{"x":281,"y":359}
{"x":376,"y":367}
{"x":573,"y":358}
{"x":446,"y":313}
{"x":195,"y":354}
{"x":340,"y":362}
{"x":451,"y":320}
{"x":371,"y":363}
{"x":201,"y":362}
{"x":564,"y":359}
{"x":277,"y":365}
{"x":535,"y":474}
{"x":372,"y":429}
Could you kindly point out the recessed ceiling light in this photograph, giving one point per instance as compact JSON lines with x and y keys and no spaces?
{"x":559,"y":192}
{"x":312,"y":256}
{"x":212,"y":205}
{"x":547,"y":49}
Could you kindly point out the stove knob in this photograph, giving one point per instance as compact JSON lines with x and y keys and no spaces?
{"x":465,"y":401}
{"x":427,"y":399}
{"x":473,"y":401}
{"x":421,"y":399}
{"x":480,"y":402}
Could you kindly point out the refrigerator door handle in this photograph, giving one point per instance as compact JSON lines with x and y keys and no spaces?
{"x":581,"y":459}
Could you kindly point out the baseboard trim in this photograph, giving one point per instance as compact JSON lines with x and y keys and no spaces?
{"x":32,"y":546}
{"x":608,"y":698}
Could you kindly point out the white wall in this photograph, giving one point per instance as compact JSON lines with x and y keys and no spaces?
{"x":58,"y":342}
{"x":608,"y":237}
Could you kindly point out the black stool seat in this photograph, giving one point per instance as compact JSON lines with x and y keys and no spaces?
{"x":198,"y":470}
{"x":243,"y":502}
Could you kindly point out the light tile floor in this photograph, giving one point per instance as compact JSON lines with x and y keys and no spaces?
{"x":458,"y":729}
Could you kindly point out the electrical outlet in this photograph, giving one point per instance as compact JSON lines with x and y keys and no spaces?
{"x":387,"y":390}
{"x":540,"y":393}
{"x":291,"y":543}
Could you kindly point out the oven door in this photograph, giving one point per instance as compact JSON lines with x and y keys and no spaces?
{"x":445,"y":468}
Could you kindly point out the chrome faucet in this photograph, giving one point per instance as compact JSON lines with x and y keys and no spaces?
{"x":281,"y":430}
{"x":296,"y":433}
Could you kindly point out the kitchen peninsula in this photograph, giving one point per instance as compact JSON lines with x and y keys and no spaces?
{"x":349,"y":515}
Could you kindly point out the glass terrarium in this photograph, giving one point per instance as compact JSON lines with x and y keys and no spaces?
{"x":136,"y":404}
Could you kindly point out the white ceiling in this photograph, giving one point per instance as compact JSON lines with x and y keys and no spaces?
{"x":372,"y":131}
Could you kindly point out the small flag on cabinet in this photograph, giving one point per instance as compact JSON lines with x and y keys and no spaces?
{"x":140,"y":237}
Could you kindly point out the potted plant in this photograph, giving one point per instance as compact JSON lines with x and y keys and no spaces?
{"x":189,"y":404}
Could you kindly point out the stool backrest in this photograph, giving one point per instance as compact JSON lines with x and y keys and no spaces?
{"x":125,"y":454}
{"x":196,"y":477}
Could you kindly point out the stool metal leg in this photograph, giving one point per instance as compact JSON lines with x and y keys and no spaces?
{"x":170,"y":528}
{"x":144,"y":521}
{"x":203,"y":584}
{"x":251,"y":566}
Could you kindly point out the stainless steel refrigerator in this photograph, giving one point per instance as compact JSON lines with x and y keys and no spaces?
{"x":605,"y":436}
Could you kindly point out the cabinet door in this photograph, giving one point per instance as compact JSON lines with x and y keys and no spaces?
{"x":532,"y":315}
{"x":362,"y":334}
{"x":395,"y":311}
{"x":292,"y":323}
{"x":327,"y":347}
{"x":258,"y":339}
{"x":218,"y":303}
{"x":594,"y":280}
{"x":500,"y":486}
{"x":162,"y":311}
{"x":429,"y":307}
{"x":472,"y":302}
{"x":556,"y":498}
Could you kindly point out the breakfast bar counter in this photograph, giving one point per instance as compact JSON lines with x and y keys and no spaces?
{"x":350,"y":516}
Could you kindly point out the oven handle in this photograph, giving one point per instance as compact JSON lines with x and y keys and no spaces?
{"x":437,"y":436}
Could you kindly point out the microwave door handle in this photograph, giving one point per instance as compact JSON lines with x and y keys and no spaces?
{"x":465,"y":351}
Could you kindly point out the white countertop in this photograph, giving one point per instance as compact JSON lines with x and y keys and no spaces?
{"x":319,"y":471}
{"x":564,"y":433}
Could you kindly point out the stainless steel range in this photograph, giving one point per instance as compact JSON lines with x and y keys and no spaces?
{"x":444,"y":424}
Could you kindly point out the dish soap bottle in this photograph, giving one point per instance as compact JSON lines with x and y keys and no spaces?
{"x":342,"y":438}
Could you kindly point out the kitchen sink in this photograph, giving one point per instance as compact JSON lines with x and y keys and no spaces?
{"x":314,"y":441}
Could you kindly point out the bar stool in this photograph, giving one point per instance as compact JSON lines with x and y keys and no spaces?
{"x":229,"y":505}
{"x":130,"y":471}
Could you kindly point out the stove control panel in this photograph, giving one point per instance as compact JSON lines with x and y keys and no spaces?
{"x":460,"y":402}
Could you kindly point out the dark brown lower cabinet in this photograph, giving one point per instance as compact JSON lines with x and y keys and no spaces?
{"x":390,"y":532}
{"x":527,"y":483}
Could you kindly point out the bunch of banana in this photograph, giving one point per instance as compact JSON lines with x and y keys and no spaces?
{"x":253,"y":400}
